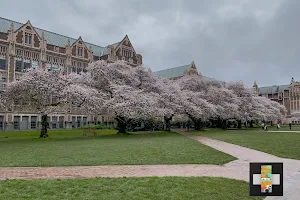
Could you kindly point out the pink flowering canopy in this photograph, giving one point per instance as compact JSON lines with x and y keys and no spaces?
{"x":126,"y":92}
{"x":129,"y":92}
{"x":37,"y":87}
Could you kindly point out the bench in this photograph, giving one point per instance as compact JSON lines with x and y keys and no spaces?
{"x":89,"y":132}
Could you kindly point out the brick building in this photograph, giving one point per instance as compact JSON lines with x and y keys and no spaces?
{"x":287,"y":95}
{"x":23,"y":46}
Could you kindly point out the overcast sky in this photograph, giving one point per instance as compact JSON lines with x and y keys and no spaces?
{"x":229,"y":40}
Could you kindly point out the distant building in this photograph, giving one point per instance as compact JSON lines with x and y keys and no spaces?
{"x":178,"y":72}
{"x":287,"y":95}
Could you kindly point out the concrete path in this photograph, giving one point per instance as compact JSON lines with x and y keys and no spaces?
{"x":238,"y":169}
{"x":284,"y":131}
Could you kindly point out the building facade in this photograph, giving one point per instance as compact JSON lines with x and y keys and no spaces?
{"x":24,"y":46}
{"x":287,"y":95}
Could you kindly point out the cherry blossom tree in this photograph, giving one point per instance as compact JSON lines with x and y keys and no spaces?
{"x":46,"y":93}
{"x":223,"y":102}
{"x":266,"y":110}
{"x":129,"y":92}
{"x":170,"y":101}
{"x":295,"y":115}
{"x":198,"y":109}
{"x":245,"y":100}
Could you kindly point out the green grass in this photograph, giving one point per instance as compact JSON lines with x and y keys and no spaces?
{"x":177,"y":188}
{"x":282,"y":144}
{"x":284,"y":128}
{"x":69,"y":148}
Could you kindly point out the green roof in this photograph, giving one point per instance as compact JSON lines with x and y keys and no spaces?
{"x":273,"y":89}
{"x":172,"y":72}
{"x":175,"y":72}
{"x":53,"y":38}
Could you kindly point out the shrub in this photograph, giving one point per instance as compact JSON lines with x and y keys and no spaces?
{"x":92,"y":126}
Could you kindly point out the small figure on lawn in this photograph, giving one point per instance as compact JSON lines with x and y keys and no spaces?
{"x":278,"y":126}
{"x":290,"y":124}
{"x":263,"y":126}
{"x":266,"y":128}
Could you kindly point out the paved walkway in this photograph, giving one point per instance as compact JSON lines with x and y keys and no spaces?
{"x":284,"y":131}
{"x":238,"y":169}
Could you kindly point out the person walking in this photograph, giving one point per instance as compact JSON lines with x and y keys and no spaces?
{"x":262,"y":126}
{"x":266,"y":127}
{"x":290,"y":124}
{"x":278,"y":126}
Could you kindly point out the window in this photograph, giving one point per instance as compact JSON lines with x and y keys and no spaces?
{"x":62,"y":61}
{"x":19,"y":53}
{"x":35,"y":56}
{"x":35,"y":64}
{"x":78,"y":67}
{"x":3,"y":82}
{"x":3,"y":49}
{"x":18,"y":66}
{"x":2,"y":62}
{"x":57,"y":49}
{"x":33,"y":122}
{"x":126,"y":53}
{"x":55,"y":67}
{"x":49,"y":59}
{"x":26,"y":65}
{"x":79,"y":51}
{"x":55,"y":60}
{"x":49,"y":67}
{"x":27,"y":54}
{"x":28,"y":38}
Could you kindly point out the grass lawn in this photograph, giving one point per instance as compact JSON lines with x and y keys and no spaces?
{"x":127,"y":188}
{"x":282,"y":144}
{"x":69,"y":148}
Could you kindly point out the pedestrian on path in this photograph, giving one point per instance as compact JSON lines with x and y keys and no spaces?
{"x":290,"y":124}
{"x":278,"y":126}
{"x":263,"y":126}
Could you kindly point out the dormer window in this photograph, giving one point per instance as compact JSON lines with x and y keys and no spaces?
{"x":80,"y":51}
{"x":28,"y":38}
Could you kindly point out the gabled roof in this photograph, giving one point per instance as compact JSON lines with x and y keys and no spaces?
{"x":172,"y":72}
{"x":273,"y":89}
{"x":105,"y":50}
{"x":177,"y":72}
{"x":52,"y":38}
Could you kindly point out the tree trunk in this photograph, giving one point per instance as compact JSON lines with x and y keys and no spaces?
{"x":251,"y":124}
{"x":168,"y":123}
{"x":122,"y":124}
{"x":45,"y":124}
{"x":239,"y":124}
{"x":219,"y":123}
{"x":197,"y":124}
{"x":224,"y":124}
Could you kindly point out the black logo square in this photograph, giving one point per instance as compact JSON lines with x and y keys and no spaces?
{"x":266,"y":179}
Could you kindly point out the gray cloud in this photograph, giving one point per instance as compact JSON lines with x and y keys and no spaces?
{"x":229,"y":40}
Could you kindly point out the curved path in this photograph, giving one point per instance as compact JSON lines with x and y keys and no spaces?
{"x":238,"y":169}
